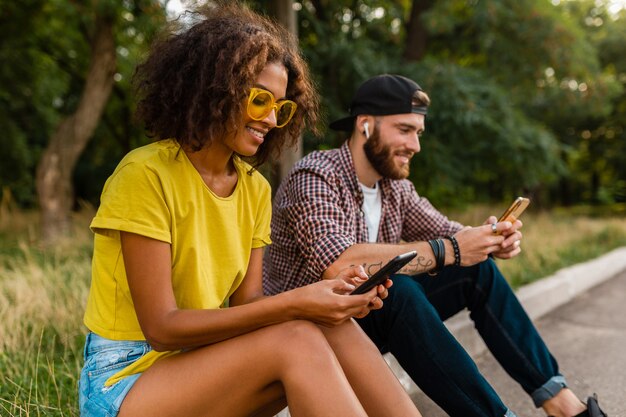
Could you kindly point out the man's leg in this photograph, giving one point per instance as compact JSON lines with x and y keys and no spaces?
{"x":411,"y":329}
{"x":502,"y":323}
{"x":508,"y":332}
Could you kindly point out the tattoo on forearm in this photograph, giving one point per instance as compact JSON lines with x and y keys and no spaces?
{"x":372,"y":268}
{"x":417,"y":265}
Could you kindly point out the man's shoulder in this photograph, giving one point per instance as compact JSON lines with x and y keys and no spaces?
{"x":320,"y":160}
{"x":397,"y":186}
{"x":318,"y":169}
{"x":326,"y":165}
{"x":403,"y":184}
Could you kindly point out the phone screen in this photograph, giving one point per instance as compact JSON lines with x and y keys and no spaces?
{"x":383,"y":273}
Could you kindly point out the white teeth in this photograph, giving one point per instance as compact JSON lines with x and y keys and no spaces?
{"x":256,"y":133}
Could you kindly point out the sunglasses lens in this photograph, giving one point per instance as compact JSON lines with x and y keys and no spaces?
{"x":285,"y":112}
{"x":260,"y":105}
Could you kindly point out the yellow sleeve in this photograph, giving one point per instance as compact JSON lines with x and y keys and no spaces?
{"x":261,"y":236}
{"x":133,"y":200}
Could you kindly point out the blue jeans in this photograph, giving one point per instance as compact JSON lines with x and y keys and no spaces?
{"x":104,"y":358}
{"x":410,"y":326}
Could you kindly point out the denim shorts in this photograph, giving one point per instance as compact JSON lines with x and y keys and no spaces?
{"x":103,"y":358}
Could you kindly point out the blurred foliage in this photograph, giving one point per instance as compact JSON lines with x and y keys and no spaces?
{"x":528,"y":96}
{"x":478,"y":144}
{"x":45,"y":52}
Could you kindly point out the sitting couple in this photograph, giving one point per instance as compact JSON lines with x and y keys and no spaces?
{"x":178,"y":322}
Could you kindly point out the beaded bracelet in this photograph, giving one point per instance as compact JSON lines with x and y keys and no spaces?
{"x":457,"y":251}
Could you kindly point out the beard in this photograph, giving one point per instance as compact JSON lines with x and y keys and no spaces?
{"x":381,"y":158}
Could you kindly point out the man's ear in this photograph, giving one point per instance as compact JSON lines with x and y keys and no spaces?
{"x":362,"y":125}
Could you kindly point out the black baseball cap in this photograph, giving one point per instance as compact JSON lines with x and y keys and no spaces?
{"x":382,"y":95}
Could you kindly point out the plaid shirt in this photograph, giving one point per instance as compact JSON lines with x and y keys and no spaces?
{"x":318,"y":214}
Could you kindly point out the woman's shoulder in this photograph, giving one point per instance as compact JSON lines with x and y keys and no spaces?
{"x":156,"y":153}
{"x":145,"y":163}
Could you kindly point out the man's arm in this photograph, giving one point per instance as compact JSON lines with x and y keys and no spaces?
{"x":475,"y":245}
{"x":372,"y":256}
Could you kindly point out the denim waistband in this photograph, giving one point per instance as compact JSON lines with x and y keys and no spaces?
{"x":95,"y":343}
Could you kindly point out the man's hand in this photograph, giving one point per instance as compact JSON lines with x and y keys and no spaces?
{"x":476,"y":243}
{"x":510,"y":247}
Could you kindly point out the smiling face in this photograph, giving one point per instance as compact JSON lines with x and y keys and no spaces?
{"x":252,"y":133}
{"x":393,"y":142}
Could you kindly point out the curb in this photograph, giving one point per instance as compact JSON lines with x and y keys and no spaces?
{"x":537,"y":298}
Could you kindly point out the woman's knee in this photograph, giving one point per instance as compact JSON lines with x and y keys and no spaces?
{"x":297,"y":336}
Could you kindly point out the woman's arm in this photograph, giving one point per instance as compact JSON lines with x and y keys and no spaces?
{"x":251,"y":287}
{"x":166,"y":327}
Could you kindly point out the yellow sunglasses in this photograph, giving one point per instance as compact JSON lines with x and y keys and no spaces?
{"x":262,"y":102}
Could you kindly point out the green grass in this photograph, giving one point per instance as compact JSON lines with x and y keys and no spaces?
{"x":42,"y":297}
{"x":43,"y":293}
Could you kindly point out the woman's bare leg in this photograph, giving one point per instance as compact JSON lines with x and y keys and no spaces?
{"x":375,"y":385}
{"x":246,"y":375}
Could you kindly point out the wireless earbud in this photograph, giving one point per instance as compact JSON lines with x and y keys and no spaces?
{"x":366,"y":126}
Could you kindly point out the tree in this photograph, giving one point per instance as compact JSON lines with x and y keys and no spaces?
{"x":416,"y":33}
{"x":54,"y":171}
{"x":79,"y":43}
{"x":284,"y":13}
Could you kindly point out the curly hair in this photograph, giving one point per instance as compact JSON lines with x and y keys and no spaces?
{"x":193,"y":84}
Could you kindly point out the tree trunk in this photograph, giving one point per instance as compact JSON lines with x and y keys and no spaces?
{"x":283,"y":12}
{"x":416,"y":36}
{"x":54,"y":171}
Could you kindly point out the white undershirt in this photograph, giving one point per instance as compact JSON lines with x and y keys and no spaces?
{"x":372,"y":208}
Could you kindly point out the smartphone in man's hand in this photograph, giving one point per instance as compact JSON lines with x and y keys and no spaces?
{"x":515,"y":210}
{"x":383,"y":273}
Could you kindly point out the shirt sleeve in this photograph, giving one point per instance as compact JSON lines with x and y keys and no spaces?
{"x":320,"y":225}
{"x":422,"y":221}
{"x":261,"y":235}
{"x":133,"y":201}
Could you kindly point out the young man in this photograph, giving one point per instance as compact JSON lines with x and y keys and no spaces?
{"x":354,"y":205}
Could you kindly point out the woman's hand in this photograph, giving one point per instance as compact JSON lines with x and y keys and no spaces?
{"x":356,"y":275}
{"x":329,"y":303}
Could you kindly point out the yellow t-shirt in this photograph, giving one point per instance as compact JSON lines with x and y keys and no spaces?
{"x":156,"y":192}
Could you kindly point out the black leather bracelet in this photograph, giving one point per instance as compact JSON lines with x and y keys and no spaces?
{"x":435,"y":248}
{"x":441,"y":260}
{"x":439,"y":251}
{"x":457,"y":251}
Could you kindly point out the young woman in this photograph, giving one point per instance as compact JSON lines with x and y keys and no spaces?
{"x":178,"y":325}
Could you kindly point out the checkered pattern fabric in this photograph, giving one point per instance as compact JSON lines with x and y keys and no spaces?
{"x":317,"y":215}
